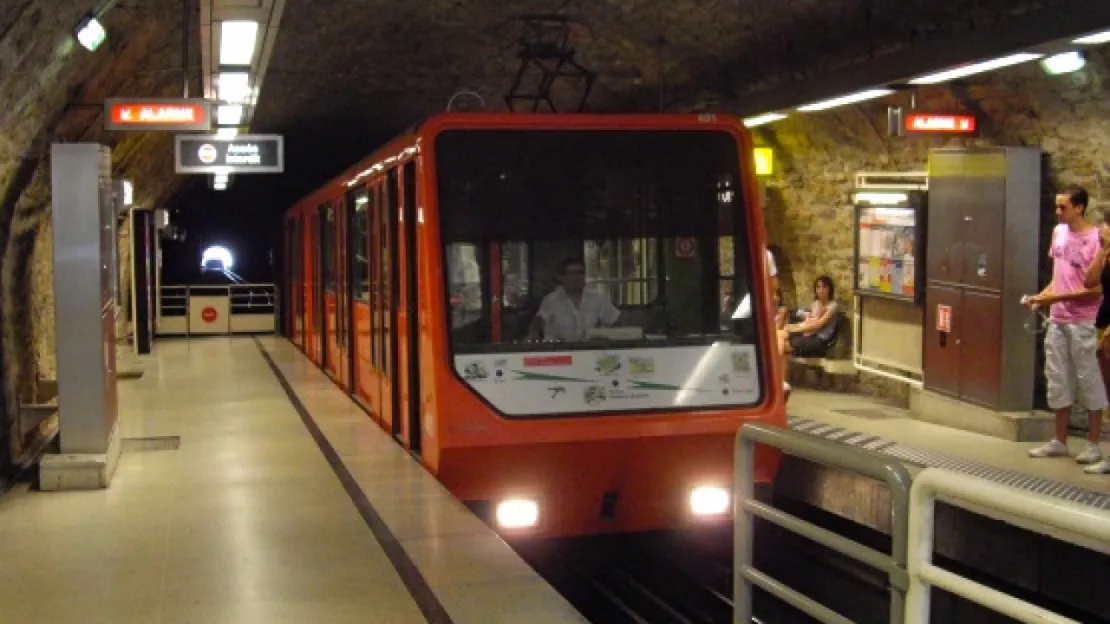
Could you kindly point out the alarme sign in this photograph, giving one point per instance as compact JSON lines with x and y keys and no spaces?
{"x":157,"y":114}
{"x":929,"y":123}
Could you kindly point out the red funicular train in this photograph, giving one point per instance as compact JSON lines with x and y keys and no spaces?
{"x":414,"y":279}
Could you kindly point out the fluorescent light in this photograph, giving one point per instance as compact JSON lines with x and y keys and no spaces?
{"x":1064,"y":63}
{"x":229,"y":114}
{"x":852,"y":98}
{"x":90,"y":33}
{"x":872,"y":197}
{"x":128,"y":193}
{"x":237,"y":42}
{"x":235,"y":87}
{"x":1094,"y":39}
{"x":219,"y":187}
{"x":227,"y":133}
{"x":220,"y":178}
{"x":975,"y":68}
{"x":765,"y":118}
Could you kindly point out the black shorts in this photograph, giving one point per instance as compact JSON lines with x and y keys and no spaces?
{"x":808,"y":346}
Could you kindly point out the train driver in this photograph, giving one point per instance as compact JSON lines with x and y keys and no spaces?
{"x":570,"y":310}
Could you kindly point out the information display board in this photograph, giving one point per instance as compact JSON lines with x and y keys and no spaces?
{"x":889,"y":244}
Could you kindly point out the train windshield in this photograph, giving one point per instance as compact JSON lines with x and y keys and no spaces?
{"x":614,"y":260}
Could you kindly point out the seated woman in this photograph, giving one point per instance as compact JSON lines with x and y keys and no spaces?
{"x":810,"y":338}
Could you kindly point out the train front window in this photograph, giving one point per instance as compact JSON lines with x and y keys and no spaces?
{"x":616,"y":242}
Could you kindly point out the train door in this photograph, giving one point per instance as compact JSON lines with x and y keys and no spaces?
{"x":328,"y":299}
{"x":380,"y":294}
{"x":296,"y":282}
{"x":360,"y":270}
{"x":411,"y":371}
{"x":313,"y":292}
{"x":342,"y":297}
{"x":395,"y":311}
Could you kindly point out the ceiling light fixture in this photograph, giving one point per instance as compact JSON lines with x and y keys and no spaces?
{"x":765,"y":118}
{"x":237,"y":39}
{"x":1097,"y":38}
{"x":227,"y":133}
{"x":1064,"y":63}
{"x":229,"y":114}
{"x":90,"y":33}
{"x":235,"y":87}
{"x":852,"y":98}
{"x":976,"y":68}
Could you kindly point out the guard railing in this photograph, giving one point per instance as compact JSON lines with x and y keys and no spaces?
{"x":1083,"y":525}
{"x":216,"y":310}
{"x":745,"y":575}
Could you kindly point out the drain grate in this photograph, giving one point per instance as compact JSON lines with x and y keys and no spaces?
{"x":153,"y":443}
{"x":933,"y":459}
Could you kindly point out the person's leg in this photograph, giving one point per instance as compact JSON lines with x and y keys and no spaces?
{"x":784,"y":356}
{"x":1060,"y":384}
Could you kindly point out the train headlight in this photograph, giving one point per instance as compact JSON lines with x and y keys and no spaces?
{"x":518,"y":514}
{"x":708,"y":500}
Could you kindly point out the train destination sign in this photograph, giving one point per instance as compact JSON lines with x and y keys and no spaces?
{"x":934,"y":123}
{"x":248,"y":153}
{"x":157,"y":114}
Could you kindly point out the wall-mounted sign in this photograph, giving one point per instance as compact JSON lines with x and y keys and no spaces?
{"x":931,"y":123}
{"x":157,"y":114}
{"x":764,"y":161}
{"x":944,"y":318}
{"x":248,"y":153}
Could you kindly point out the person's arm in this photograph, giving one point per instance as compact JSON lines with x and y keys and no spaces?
{"x":609,"y":315}
{"x":539,"y":321}
{"x":1047,"y":297}
{"x":1094,"y":272}
{"x":813,"y":324}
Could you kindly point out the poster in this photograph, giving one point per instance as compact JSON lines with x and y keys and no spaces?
{"x":887,"y":244}
{"x":524,"y":384}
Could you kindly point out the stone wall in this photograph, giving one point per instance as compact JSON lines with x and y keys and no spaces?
{"x":808,"y":214}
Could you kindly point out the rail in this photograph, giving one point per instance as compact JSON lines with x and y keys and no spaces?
{"x":1079,"y":524}
{"x":837,"y":455}
{"x":216,"y":309}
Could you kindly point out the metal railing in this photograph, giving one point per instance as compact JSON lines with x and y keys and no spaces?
{"x":745,"y":575}
{"x":1076,"y":523}
{"x":235,"y":308}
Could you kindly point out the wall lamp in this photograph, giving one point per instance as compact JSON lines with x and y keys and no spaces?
{"x":90,"y":33}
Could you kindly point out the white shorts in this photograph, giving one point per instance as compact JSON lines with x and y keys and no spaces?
{"x":1071,"y":366}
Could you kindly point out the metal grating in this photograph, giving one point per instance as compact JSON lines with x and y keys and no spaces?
{"x":154,"y":443}
{"x":932,"y":459}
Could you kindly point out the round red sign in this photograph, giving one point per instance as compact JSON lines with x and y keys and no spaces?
{"x":209,"y":314}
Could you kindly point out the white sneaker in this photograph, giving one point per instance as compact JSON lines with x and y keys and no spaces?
{"x":1054,"y":448}
{"x":1103,"y":467}
{"x":786,"y":391}
{"x":1092,"y":455}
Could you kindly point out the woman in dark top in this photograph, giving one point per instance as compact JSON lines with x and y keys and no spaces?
{"x":1099,"y":273}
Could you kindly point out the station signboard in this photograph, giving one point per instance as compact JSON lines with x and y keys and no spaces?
{"x":158,"y":114}
{"x":248,"y":153}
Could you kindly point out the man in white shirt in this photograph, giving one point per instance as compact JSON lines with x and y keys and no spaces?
{"x":570,"y":310}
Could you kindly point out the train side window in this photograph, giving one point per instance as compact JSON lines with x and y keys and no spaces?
{"x":327,"y":246}
{"x":360,"y":261}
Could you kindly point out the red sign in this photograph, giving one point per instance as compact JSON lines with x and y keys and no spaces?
{"x":685,"y":247}
{"x":158,"y":114}
{"x":548,"y":360}
{"x":209,"y":314}
{"x":944,"y":318}
{"x":928,"y":123}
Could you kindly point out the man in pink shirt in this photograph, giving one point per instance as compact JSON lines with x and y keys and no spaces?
{"x":1070,"y":345}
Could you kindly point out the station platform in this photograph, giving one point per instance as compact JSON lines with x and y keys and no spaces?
{"x":251,"y":489}
{"x":881,"y":426}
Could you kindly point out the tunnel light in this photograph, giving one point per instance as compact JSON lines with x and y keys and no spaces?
{"x":976,"y":68}
{"x":766,"y":118}
{"x":219,"y":253}
{"x":518,"y":514}
{"x":1064,"y":63}
{"x":237,"y":40}
{"x":709,"y":501}
{"x":235,"y":87}
{"x":229,"y":114}
{"x":90,"y":33}
{"x":1095,"y":39}
{"x":843,"y":100}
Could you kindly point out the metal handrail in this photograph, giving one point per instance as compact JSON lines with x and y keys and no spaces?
{"x":829,"y":453}
{"x":1073,"y":522}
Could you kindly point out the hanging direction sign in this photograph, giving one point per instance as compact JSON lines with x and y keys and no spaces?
{"x":248,"y":153}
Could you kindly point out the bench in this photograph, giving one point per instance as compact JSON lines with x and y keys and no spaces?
{"x":837,"y":362}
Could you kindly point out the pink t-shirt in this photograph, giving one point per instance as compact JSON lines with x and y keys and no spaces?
{"x":1071,"y":254}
